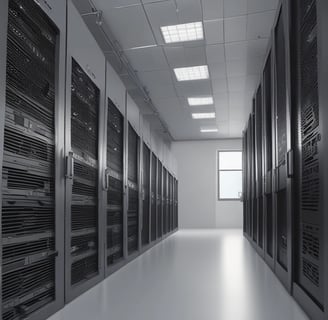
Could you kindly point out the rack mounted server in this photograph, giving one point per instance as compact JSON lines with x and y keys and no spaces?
{"x":70,"y":163}
{"x":291,"y":179}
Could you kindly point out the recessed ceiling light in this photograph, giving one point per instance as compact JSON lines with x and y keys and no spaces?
{"x":191,"y":73}
{"x":183,"y":32}
{"x":200,"y":101}
{"x":208,"y":130}
{"x":209,"y":115}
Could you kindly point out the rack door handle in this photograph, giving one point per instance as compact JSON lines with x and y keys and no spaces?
{"x":70,"y":165}
{"x":106,"y":182}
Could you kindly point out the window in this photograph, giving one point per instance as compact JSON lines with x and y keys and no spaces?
{"x":229,"y":175}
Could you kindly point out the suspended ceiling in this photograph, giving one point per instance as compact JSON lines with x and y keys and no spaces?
{"x":235,"y":42}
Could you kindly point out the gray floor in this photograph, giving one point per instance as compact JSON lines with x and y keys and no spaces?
{"x":193,"y":275}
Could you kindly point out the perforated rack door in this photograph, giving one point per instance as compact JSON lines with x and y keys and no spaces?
{"x":30,"y":247}
{"x":283,"y":153}
{"x":153,"y":195}
{"x":145,"y":232}
{"x":165,"y":201}
{"x":160,"y":200}
{"x":115,"y":185}
{"x":84,"y":224}
{"x":253,"y":177}
{"x":268,"y":150}
{"x":309,"y":244}
{"x":259,"y":165}
{"x":133,"y":190}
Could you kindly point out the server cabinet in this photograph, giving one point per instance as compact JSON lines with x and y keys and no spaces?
{"x":85,"y":131}
{"x":160,"y":200}
{"x":153,"y":205}
{"x":176,"y":222}
{"x":259,"y":167}
{"x":310,"y":245}
{"x":171,"y":202}
{"x":268,"y":161}
{"x":145,"y":231}
{"x":283,"y":150}
{"x":133,"y":190}
{"x":32,"y":246}
{"x":165,"y":201}
{"x":114,"y":185}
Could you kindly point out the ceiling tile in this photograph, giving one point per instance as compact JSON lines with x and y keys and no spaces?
{"x":162,"y":77}
{"x":194,"y":88}
{"x":220,"y":86}
{"x":214,"y":31}
{"x":147,"y":59}
{"x":139,"y":30}
{"x":189,"y":10}
{"x":161,"y":91}
{"x":242,"y":83}
{"x":257,"y":48}
{"x":218,"y":71}
{"x":236,"y":50}
{"x":212,"y":9}
{"x":215,"y":53}
{"x":234,"y":8}
{"x":124,"y":3}
{"x":222,"y":114}
{"x":235,"y":28}
{"x":259,"y":25}
{"x":261,"y":5}
{"x":185,"y":56}
{"x":244,"y":67}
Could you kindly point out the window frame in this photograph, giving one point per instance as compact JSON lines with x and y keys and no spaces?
{"x":227,"y":170}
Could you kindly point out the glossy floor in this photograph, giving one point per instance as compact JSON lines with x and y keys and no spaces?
{"x":193,"y":275}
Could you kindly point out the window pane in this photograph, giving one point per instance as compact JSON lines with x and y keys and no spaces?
{"x":230,"y":160}
{"x":230,"y":184}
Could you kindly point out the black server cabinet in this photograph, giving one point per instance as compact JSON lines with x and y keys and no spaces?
{"x":32,"y":248}
{"x":269,"y":227}
{"x":171,"y":203}
{"x":145,"y":231}
{"x":259,"y":167}
{"x":114,"y":185}
{"x":310,"y":246}
{"x":153,"y":205}
{"x":176,"y":220}
{"x":83,"y":169}
{"x":169,"y":196}
{"x":165,"y":201}
{"x":283,"y":153}
{"x":254,"y":211}
{"x":160,"y":200}
{"x":244,"y":149}
{"x":133,"y":191}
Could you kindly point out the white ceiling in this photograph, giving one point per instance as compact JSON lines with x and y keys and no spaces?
{"x":236,"y":36}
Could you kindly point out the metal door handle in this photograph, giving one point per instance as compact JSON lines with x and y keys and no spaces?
{"x":70,"y":165}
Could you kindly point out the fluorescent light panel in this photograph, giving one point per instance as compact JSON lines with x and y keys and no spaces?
{"x":191,"y":73}
{"x":200,"y":101}
{"x":203,"y":115}
{"x":208,"y":130}
{"x":183,"y":32}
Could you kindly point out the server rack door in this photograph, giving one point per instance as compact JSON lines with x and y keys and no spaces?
{"x":249,"y":178}
{"x":309,"y":242}
{"x":259,"y":166}
{"x":244,"y":182}
{"x":175,"y":203}
{"x":165,"y":202}
{"x":32,"y":247}
{"x":253,"y":178}
{"x":85,"y":149}
{"x":160,"y":200}
{"x":146,"y":196}
{"x":133,"y":191}
{"x":283,"y":152}
{"x":114,"y":185}
{"x":153,"y":207}
{"x":268,"y":163}
{"x":171,"y":202}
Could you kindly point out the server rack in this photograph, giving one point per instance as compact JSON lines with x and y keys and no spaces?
{"x":171,"y":203}
{"x":114,"y":185}
{"x":153,"y":204}
{"x":85,"y":167}
{"x":269,"y":228}
{"x":310,"y":244}
{"x":283,"y":162}
{"x":176,"y":220}
{"x":253,"y":179}
{"x":160,"y":200}
{"x":133,"y":190}
{"x":165,"y":201}
{"x":259,"y":167}
{"x":145,"y":232}
{"x":32,"y":53}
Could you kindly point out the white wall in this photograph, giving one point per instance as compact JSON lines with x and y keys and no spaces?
{"x":198,"y":204}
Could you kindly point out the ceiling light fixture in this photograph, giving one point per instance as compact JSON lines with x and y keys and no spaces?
{"x":191,"y":73}
{"x":209,"y":130}
{"x":200,"y":101}
{"x":183,"y":32}
{"x":209,"y":115}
